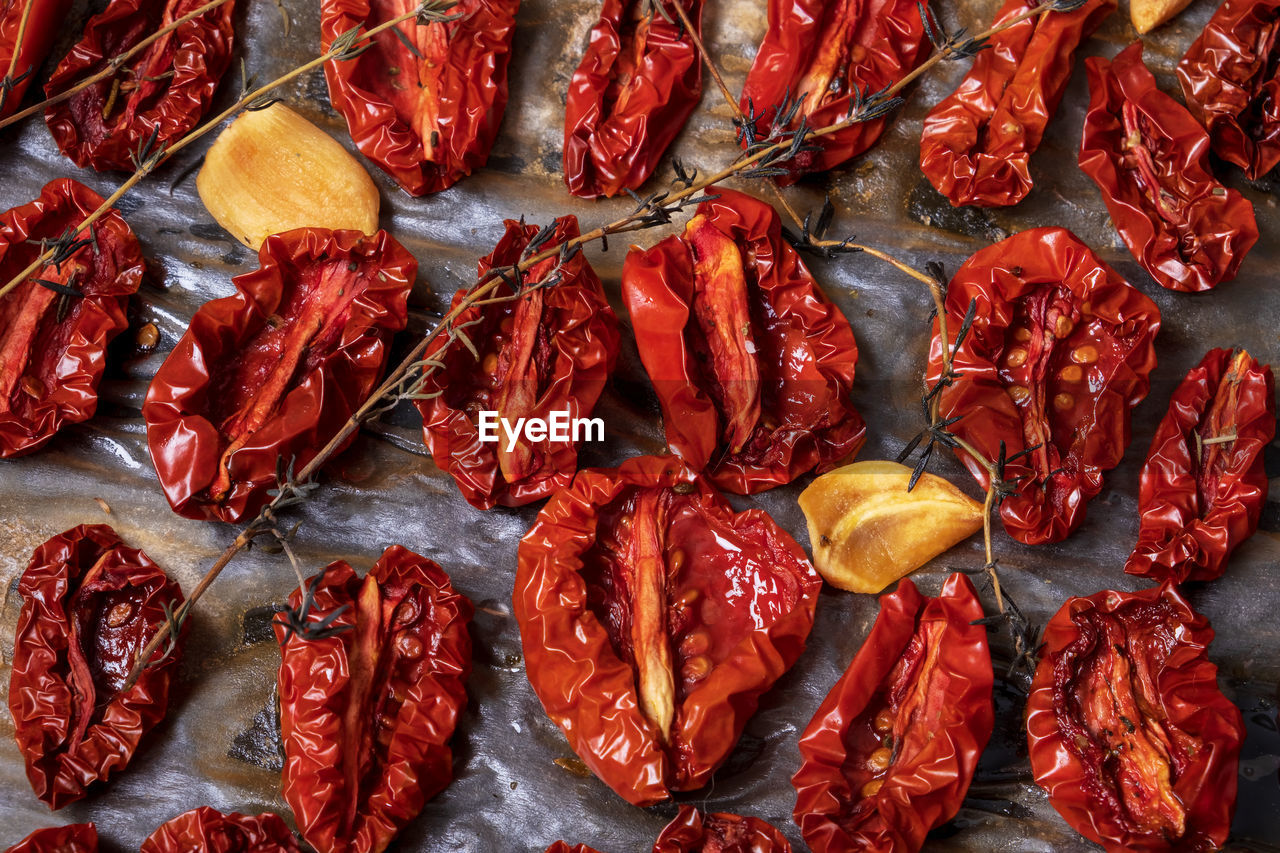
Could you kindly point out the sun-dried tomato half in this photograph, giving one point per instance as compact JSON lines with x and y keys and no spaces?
{"x":90,"y":605}
{"x":1204,"y":482}
{"x":45,"y":20}
{"x":692,"y":831}
{"x":1061,"y":349}
{"x":1150,"y":159}
{"x":55,"y":326}
{"x":891,"y":751}
{"x":544,"y":355}
{"x":425,"y":101}
{"x":149,"y":102}
{"x":817,"y":59}
{"x":74,"y":838}
{"x":653,"y":617}
{"x":366,"y":714}
{"x":977,"y":142}
{"x":1127,"y":729}
{"x":1230,"y":79}
{"x":207,"y":830}
{"x":752,"y":364}
{"x":264,"y":378}
{"x":635,"y":87}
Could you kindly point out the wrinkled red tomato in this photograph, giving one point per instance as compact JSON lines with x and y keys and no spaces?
{"x":977,"y":142}
{"x":366,"y":715}
{"x":549,"y":351}
{"x":89,"y":606}
{"x":206,"y":830}
{"x":1150,"y":159}
{"x":158,"y":96}
{"x":891,"y":751}
{"x":1060,"y":351}
{"x":1231,"y":83}
{"x":753,"y":365}
{"x":635,"y":87}
{"x":54,"y":336}
{"x":1127,"y":729}
{"x":653,"y":617}
{"x":1204,"y":483}
{"x":424,"y":103}
{"x":43,"y":22}
{"x":691,"y":831}
{"x":825,"y":55}
{"x":75,"y":838}
{"x":266,"y":377}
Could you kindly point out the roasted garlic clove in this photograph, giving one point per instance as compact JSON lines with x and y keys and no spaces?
{"x":867,"y":530}
{"x":1149,"y":14}
{"x":272,"y":171}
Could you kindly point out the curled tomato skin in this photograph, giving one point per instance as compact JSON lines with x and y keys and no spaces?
{"x":271,"y":374}
{"x":207,"y":830}
{"x":823,"y":54}
{"x":653,"y":617}
{"x":1150,"y":159}
{"x":43,"y":23}
{"x":90,"y":605}
{"x":631,"y":94}
{"x":366,"y":715}
{"x":691,"y":831}
{"x":163,"y":91}
{"x":752,"y":364}
{"x":1061,"y":349}
{"x":53,"y":345}
{"x":427,"y":114}
{"x":978,"y":141}
{"x":548,"y":352}
{"x":74,"y":838}
{"x":1229,"y":80}
{"x":1127,"y":729}
{"x":1204,"y":483}
{"x":891,"y":751}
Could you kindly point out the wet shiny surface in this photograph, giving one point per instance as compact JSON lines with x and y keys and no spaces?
{"x":218,"y":747}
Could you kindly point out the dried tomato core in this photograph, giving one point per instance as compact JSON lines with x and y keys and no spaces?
{"x":1150,"y":156}
{"x":1108,"y":707}
{"x":842,"y":43}
{"x":1215,"y":435}
{"x":899,"y":721}
{"x":405,"y":68}
{"x":723,"y":316}
{"x":393,"y":632}
{"x":633,"y":36}
{"x":292,"y":343}
{"x":108,"y":630}
{"x":676,"y":588}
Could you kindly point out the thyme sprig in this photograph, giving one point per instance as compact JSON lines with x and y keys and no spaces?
{"x":147,"y":158}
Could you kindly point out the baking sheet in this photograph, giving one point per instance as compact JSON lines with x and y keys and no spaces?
{"x":218,"y":746}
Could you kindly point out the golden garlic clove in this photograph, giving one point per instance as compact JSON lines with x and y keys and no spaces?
{"x":867,"y":530}
{"x":272,"y":170}
{"x":1149,"y":14}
